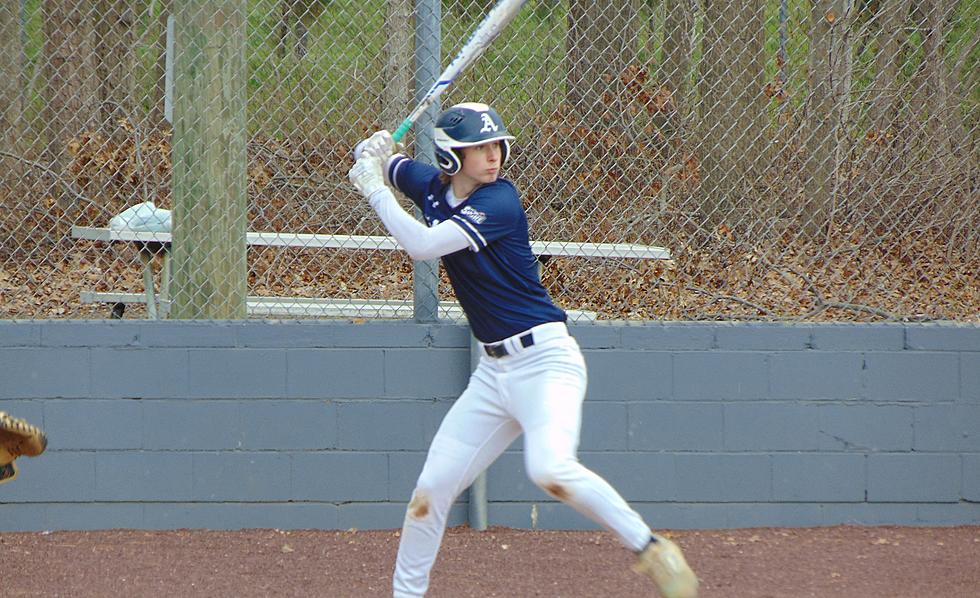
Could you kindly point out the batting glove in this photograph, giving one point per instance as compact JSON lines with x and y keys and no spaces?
{"x":380,"y":145}
{"x":367,"y":176}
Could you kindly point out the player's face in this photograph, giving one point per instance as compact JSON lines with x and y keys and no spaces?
{"x":481,"y":163}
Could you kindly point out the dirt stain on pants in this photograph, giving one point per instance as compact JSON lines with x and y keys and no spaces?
{"x":419,"y":507}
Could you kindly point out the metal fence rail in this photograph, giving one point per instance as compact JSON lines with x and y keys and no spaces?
{"x":797,"y":160}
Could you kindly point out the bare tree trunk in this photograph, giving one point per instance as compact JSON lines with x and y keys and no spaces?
{"x":288,"y":19}
{"x":734,"y":136}
{"x":882,"y":156}
{"x":716,"y":102}
{"x":297,"y":16}
{"x":72,"y":90}
{"x":678,"y":40}
{"x":114,"y":47}
{"x":11,"y":51}
{"x":752,"y":142}
{"x":285,"y":24}
{"x":398,"y":67}
{"x":891,"y":18}
{"x":623,"y":33}
{"x":602,"y":40}
{"x":944,"y":122}
{"x":945,"y":127}
{"x":824,"y":114}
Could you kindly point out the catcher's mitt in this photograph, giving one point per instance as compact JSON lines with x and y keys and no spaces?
{"x":17,"y":437}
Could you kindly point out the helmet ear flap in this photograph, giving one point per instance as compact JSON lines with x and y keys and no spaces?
{"x":449,"y":161}
{"x":504,"y":151}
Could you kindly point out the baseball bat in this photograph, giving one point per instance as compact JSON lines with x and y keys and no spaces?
{"x":487,"y":31}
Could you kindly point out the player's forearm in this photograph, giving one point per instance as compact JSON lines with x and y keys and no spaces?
{"x":421,"y":242}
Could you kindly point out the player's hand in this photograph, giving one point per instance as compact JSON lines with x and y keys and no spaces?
{"x":367,"y":175}
{"x":380,"y":145}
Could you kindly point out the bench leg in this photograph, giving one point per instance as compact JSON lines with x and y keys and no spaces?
{"x":151,"y":304}
{"x":164,"y":306}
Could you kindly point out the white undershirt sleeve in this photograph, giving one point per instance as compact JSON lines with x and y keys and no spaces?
{"x":421,"y":242}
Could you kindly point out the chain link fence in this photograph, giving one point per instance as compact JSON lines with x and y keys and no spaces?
{"x":794,"y":160}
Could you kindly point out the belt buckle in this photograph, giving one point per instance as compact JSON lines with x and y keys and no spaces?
{"x":497,"y":350}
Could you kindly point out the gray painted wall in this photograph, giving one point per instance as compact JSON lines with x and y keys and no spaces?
{"x":325,"y":424}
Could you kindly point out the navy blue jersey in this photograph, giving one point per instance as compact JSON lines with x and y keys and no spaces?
{"x":496,"y":279}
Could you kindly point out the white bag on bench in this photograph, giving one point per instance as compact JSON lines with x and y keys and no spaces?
{"x":144,"y":217}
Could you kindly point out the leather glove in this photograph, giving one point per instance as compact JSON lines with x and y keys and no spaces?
{"x":17,"y":437}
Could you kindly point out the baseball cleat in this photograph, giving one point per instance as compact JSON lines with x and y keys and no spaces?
{"x":663,"y":562}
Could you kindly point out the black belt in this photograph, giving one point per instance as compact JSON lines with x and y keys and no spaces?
{"x":500,"y":349}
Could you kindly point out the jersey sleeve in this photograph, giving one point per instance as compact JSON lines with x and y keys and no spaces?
{"x":490,"y":213}
{"x":410,"y":177}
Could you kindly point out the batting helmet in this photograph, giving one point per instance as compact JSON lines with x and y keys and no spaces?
{"x":465,"y":125}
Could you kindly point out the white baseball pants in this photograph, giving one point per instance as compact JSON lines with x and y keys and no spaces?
{"x":536,"y":390}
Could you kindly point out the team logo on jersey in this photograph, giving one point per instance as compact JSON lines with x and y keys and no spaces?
{"x":473,"y":214}
{"x":488,"y":125}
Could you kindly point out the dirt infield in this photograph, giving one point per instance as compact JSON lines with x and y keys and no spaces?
{"x":839,"y":562}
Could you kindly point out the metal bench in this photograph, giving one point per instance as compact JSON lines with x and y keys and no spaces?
{"x":153,"y":243}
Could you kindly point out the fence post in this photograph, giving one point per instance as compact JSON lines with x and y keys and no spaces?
{"x":478,"y":490}
{"x":428,"y":29}
{"x":209,"y":161}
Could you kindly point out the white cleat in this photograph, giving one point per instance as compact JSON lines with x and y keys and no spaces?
{"x":663,"y":561}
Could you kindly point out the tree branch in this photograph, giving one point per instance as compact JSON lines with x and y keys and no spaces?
{"x":50,"y":172}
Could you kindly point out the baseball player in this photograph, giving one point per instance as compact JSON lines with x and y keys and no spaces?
{"x":531,"y":377}
{"x":17,"y":437}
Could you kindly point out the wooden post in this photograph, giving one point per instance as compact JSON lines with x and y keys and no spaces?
{"x":209,"y":161}
{"x":10,"y":92}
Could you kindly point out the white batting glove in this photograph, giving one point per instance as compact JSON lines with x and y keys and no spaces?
{"x":379,"y":144}
{"x":367,"y":175}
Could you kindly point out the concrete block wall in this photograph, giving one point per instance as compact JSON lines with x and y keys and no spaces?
{"x":325,"y":424}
